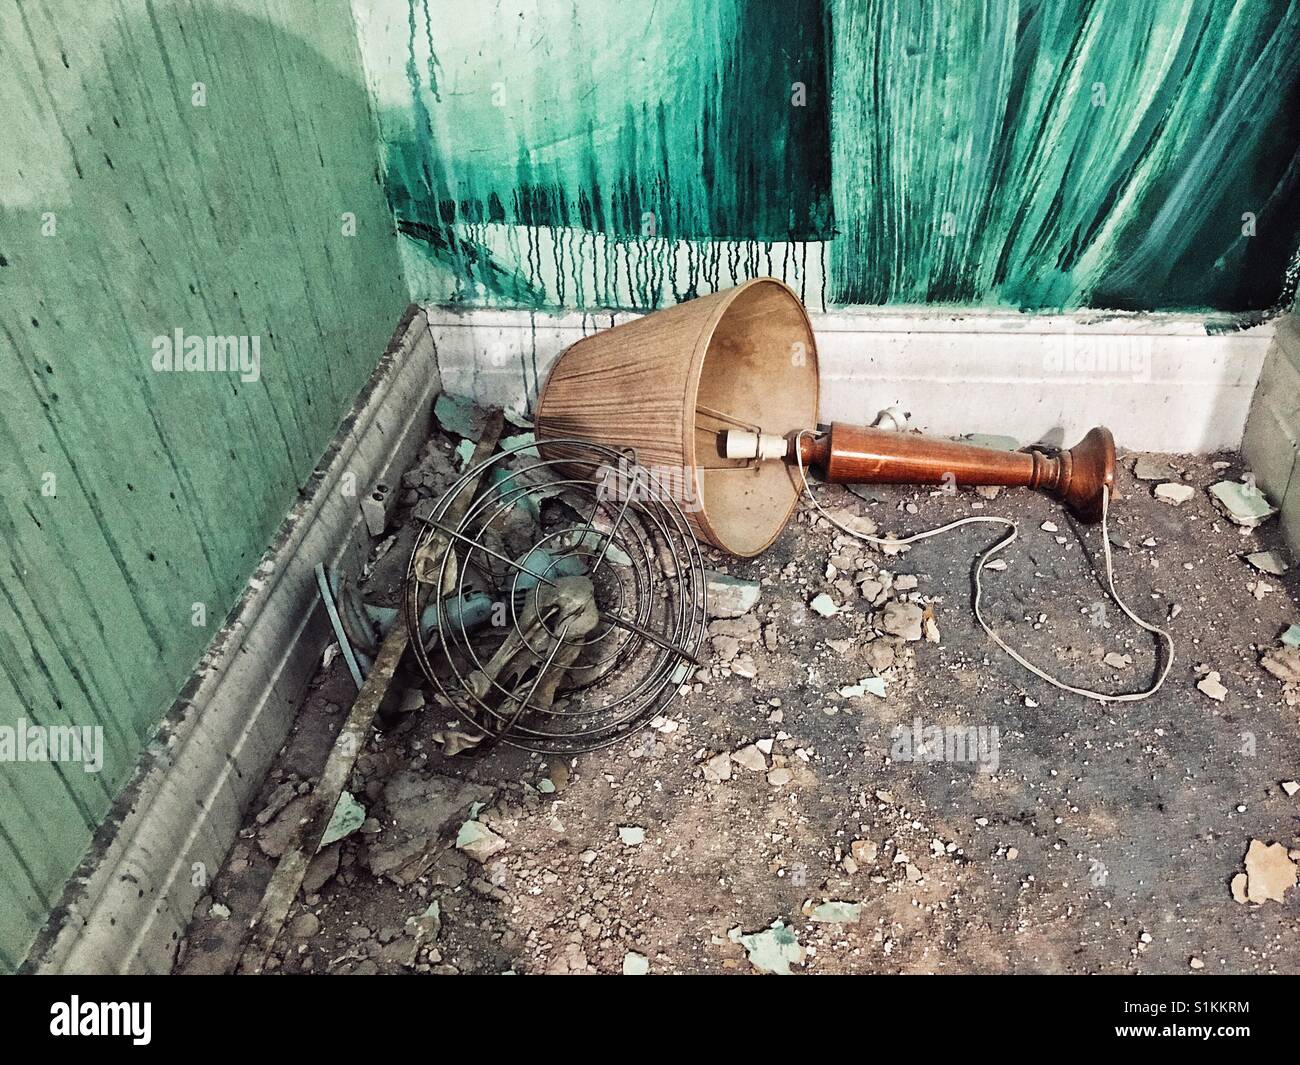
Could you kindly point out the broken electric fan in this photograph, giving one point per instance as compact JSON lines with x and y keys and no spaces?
{"x":559,"y":598}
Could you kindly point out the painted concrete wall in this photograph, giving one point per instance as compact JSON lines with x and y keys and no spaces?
{"x":134,"y":503}
{"x":1027,"y":154}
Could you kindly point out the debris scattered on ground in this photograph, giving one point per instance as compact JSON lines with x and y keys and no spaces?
{"x":773,"y":950}
{"x":423,"y":809}
{"x":1290,"y":787}
{"x":824,"y":605}
{"x":1239,"y":888}
{"x":864,"y":851}
{"x":454,"y":741}
{"x":730,"y":597}
{"x":751,"y":758}
{"x":346,"y":819}
{"x":631,"y":835}
{"x":1270,"y":874}
{"x":520,"y":442}
{"x":835,"y":913}
{"x":930,"y":625}
{"x":1243,"y":503}
{"x":479,"y":841}
{"x":323,"y":868}
{"x":848,"y":518}
{"x":902,"y":620}
{"x":274,"y":839}
{"x":869,"y":493}
{"x":718,"y":768}
{"x":1259,"y":589}
{"x":773,"y":787}
{"x":304,"y":926}
{"x":1268,"y":562}
{"x":429,"y":923}
{"x":1211,"y":685}
{"x":1283,"y":663}
{"x":872,"y":685}
{"x":517,"y":418}
{"x":1174,"y":493}
{"x":280,"y":798}
{"x":459,"y":416}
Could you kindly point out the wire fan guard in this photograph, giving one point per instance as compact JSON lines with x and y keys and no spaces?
{"x":566,"y":607}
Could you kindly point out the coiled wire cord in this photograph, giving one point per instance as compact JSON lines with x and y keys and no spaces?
{"x":990,"y":552}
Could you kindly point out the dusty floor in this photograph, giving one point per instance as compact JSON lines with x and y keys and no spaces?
{"x":1082,"y":838}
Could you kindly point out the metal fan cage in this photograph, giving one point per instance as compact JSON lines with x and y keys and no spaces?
{"x":566,"y":506}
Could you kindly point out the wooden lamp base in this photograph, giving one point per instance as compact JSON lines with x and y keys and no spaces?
{"x":852,"y":454}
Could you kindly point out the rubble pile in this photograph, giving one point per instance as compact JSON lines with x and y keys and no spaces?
{"x":854,"y":779}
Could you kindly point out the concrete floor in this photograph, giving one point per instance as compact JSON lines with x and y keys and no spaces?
{"x":1092,"y":839}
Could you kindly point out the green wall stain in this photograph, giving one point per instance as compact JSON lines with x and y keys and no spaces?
{"x":515,"y":136}
{"x":1095,"y":154}
{"x":224,"y":220}
{"x":1033,"y":154}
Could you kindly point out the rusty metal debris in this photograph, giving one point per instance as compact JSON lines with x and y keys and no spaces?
{"x":293,"y":863}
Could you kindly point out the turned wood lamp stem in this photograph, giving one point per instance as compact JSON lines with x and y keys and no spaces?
{"x":852,"y":454}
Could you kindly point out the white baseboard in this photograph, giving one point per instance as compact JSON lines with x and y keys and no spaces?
{"x":1161,"y":382}
{"x":130,"y":903}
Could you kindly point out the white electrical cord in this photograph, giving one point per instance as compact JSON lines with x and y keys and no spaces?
{"x":988,"y":553}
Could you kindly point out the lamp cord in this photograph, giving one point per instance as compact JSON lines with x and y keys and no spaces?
{"x":986,"y":555}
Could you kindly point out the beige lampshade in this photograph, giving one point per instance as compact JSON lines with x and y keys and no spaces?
{"x":667,"y":384}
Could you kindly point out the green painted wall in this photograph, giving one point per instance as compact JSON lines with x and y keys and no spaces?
{"x":126,"y":213}
{"x":1099,"y":153}
{"x":1031,"y":154}
{"x":591,"y":153}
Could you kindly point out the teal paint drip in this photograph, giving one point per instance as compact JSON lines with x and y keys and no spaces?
{"x":1030,"y":154}
{"x":1051,"y":155}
